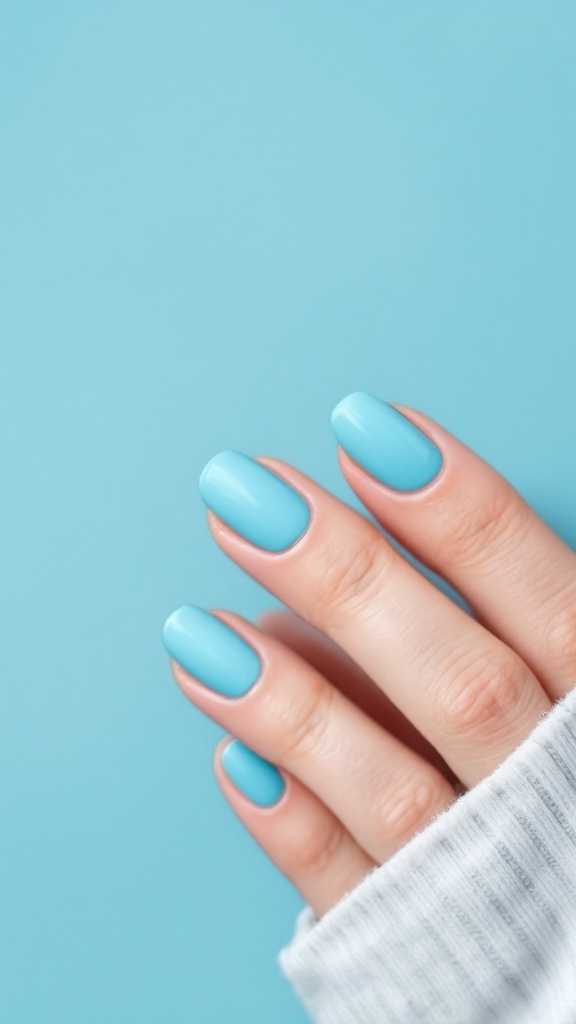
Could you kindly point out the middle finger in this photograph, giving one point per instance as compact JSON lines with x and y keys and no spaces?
{"x":335,"y":665}
{"x":468,"y":693}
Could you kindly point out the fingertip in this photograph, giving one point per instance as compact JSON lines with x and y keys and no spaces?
{"x":344,"y":409}
{"x":219,"y":749}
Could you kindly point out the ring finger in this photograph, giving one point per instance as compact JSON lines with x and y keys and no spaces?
{"x":284,"y":710}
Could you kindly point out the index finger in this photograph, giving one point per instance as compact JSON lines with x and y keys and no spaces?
{"x":465,"y":521}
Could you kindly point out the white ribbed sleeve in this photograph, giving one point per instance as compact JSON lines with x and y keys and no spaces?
{"x":474,"y":920}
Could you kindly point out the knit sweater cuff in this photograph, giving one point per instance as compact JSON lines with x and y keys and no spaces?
{"x":474,"y":920}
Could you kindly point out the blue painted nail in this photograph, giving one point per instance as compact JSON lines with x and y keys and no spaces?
{"x":253,"y":501}
{"x":259,"y":780}
{"x":385,"y":443}
{"x":211,"y":651}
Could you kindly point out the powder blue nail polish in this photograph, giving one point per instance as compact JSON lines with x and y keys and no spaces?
{"x":385,"y":443}
{"x":211,"y":651}
{"x":253,"y":501}
{"x":259,"y":780}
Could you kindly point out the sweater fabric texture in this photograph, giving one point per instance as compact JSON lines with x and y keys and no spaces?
{"x":471,"y":922}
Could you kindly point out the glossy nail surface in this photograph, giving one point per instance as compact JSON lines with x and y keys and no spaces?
{"x":256,"y":778}
{"x":385,"y":443}
{"x":253,"y":501}
{"x":211,"y":651}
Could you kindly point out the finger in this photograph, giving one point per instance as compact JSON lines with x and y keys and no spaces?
{"x":471,"y":696}
{"x":381,"y":791}
{"x":466,"y":522}
{"x":299,"y":834}
{"x":339,"y":669}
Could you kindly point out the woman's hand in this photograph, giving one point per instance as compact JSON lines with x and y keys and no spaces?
{"x":376,"y":729}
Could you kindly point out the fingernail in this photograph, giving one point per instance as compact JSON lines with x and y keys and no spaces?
{"x":385,"y":443}
{"x":211,"y":651}
{"x":253,"y":501}
{"x":259,"y":780}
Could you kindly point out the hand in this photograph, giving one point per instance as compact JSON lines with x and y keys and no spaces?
{"x":375,"y":729}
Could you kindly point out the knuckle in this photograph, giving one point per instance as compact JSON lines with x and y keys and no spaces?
{"x":302,"y":725}
{"x":481,"y":528}
{"x":559,"y":640}
{"x":349,"y":579}
{"x":413,"y":806}
{"x":483,"y":696}
{"x":319,"y":849}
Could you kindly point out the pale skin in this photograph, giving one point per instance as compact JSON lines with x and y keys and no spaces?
{"x":379,"y":698}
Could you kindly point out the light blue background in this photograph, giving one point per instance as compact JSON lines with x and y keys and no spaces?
{"x":218,"y":219}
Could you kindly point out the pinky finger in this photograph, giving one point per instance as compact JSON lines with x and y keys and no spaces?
{"x":294,"y":828}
